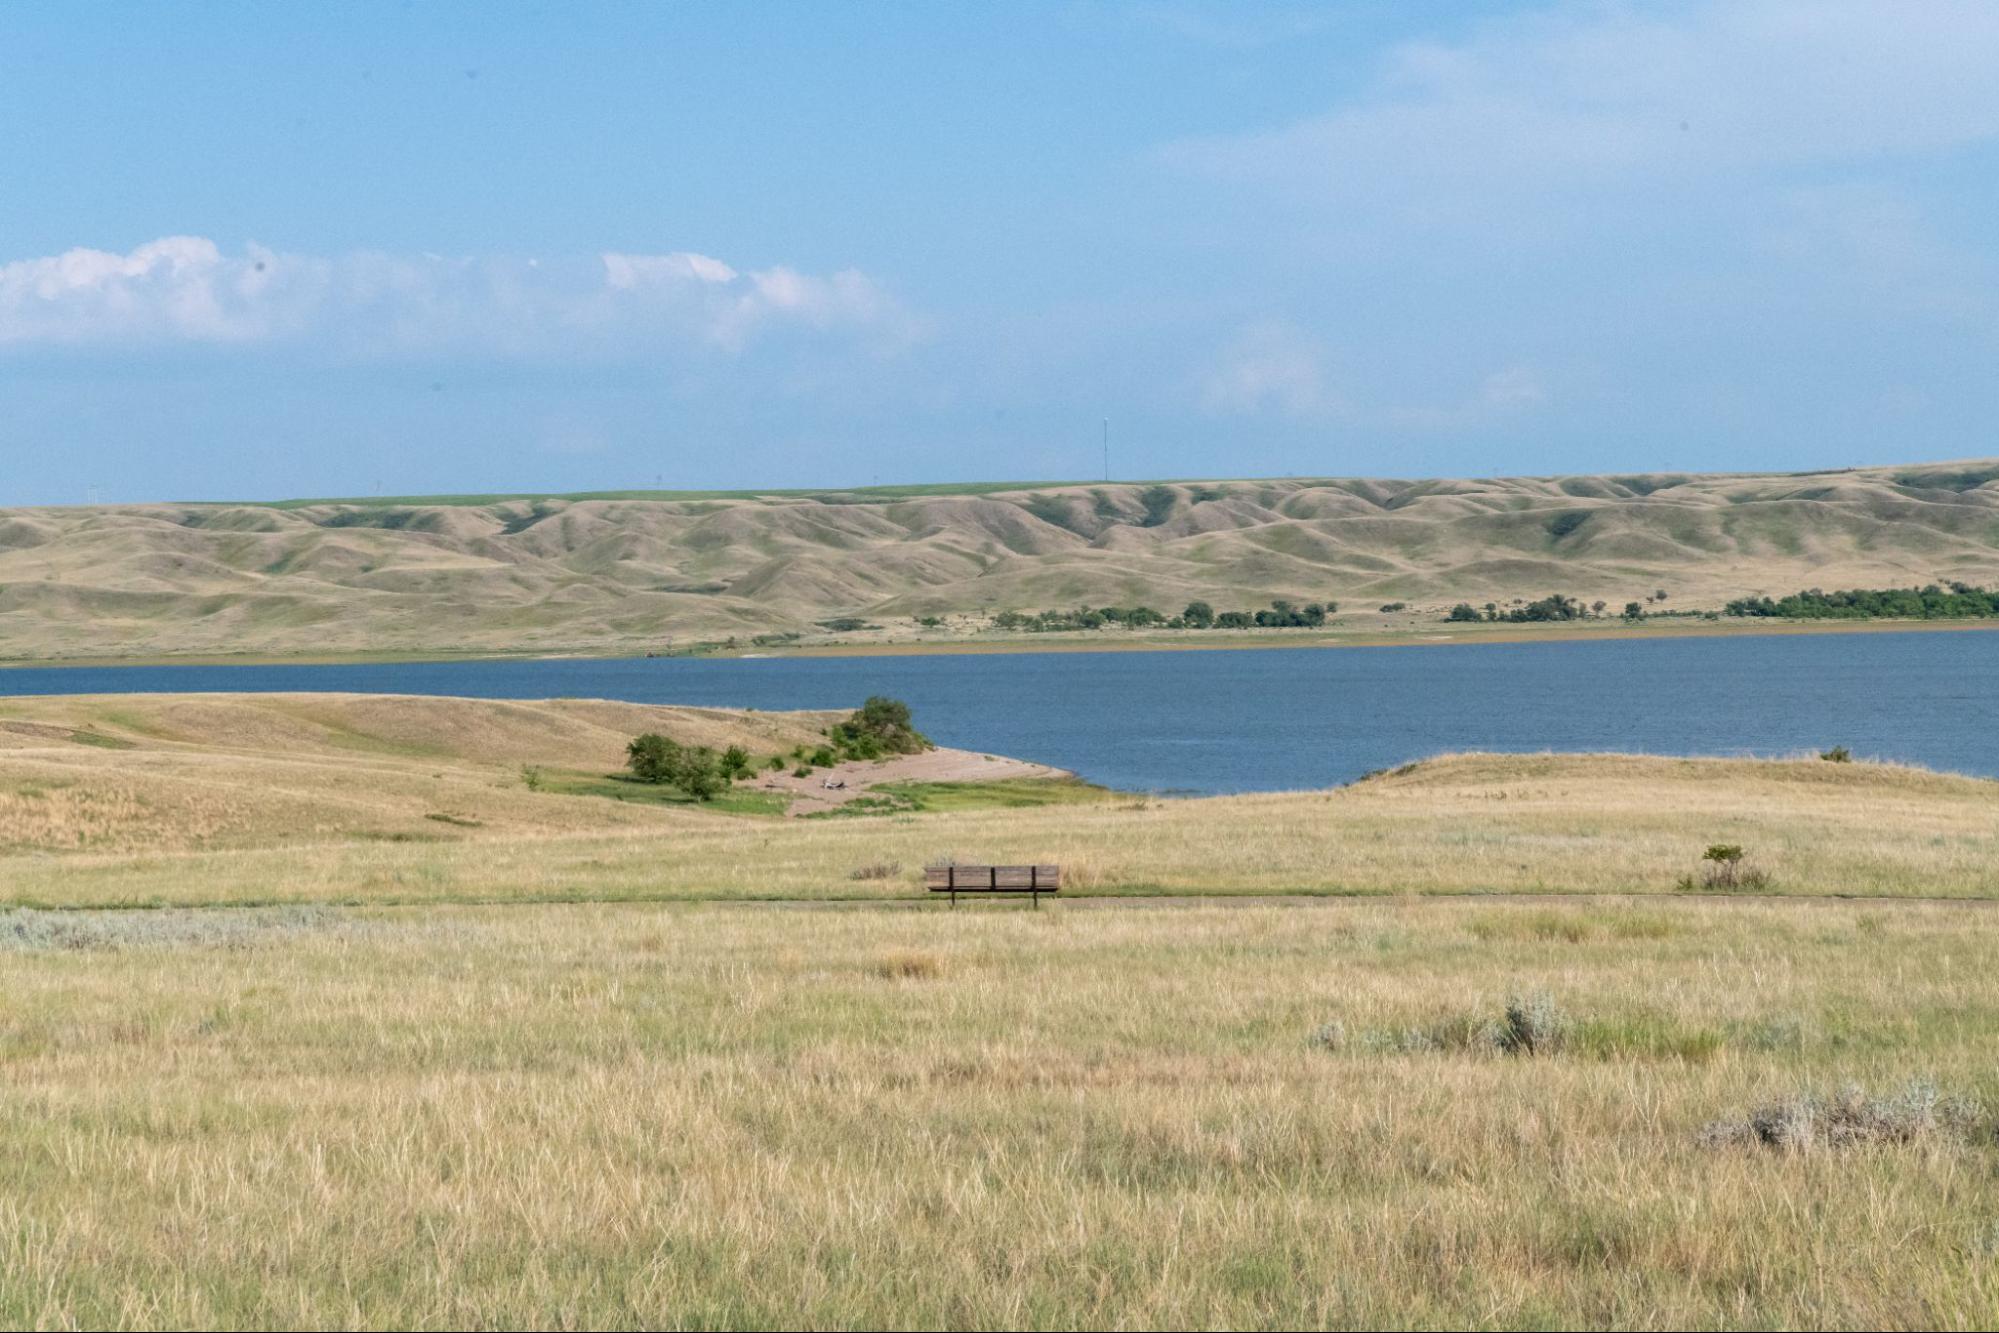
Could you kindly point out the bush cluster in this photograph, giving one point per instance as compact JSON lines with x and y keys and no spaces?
{"x":878,"y":728}
{"x":695,"y":769}
{"x":1555,"y":606}
{"x":1280,"y":614}
{"x":881,"y":726}
{"x":1958,"y":601}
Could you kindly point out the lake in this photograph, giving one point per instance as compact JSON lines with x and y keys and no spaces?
{"x":1202,"y":721}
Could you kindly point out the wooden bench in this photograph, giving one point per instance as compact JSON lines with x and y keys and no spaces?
{"x":1031,"y":880}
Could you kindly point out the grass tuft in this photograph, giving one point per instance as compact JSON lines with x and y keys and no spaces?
{"x":910,"y":965}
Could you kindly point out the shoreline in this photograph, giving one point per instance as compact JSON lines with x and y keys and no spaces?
{"x":1443,"y":634}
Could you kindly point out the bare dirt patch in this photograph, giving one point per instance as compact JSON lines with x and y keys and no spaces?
{"x":830,"y":788}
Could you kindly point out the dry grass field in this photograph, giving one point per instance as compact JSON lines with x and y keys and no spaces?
{"x":350,"y":799}
{"x":1196,"y":1116}
{"x":542,"y":1063}
{"x":637,"y":572}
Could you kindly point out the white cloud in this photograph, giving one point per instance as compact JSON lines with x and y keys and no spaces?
{"x":186,"y":290}
{"x":1277,"y":368}
{"x":1271,"y":366}
{"x":733,"y":307}
{"x":175,"y":288}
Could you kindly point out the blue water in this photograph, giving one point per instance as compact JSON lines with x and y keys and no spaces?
{"x":1279,"y":718}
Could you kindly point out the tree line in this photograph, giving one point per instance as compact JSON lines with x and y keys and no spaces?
{"x":1956,"y":601}
{"x":1280,"y":614}
{"x":1555,"y":606}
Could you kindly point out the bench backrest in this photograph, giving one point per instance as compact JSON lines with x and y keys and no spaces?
{"x":993,"y":879}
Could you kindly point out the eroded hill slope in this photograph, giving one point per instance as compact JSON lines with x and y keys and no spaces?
{"x":632,"y":574}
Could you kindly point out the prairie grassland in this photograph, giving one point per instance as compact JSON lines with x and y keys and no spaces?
{"x":137,"y":774}
{"x":518,"y":1100}
{"x":81,"y":825}
{"x":1190,"y":1116}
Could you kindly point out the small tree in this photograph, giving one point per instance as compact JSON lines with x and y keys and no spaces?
{"x":879,"y":726}
{"x":735,"y":763}
{"x":1198,"y":615}
{"x":652,"y":757}
{"x":1463,"y":611}
{"x":1723,"y":869}
{"x":658,"y":759}
{"x":1634,"y":611}
{"x":699,"y":773}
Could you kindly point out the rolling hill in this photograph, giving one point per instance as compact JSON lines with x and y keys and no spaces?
{"x":633,"y":571}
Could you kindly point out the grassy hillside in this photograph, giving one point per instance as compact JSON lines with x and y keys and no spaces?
{"x":134,"y":774}
{"x":199,"y":800}
{"x":635,"y":571}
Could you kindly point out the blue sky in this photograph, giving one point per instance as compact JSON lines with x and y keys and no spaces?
{"x":257,"y":251}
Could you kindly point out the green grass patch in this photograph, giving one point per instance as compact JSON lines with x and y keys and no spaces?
{"x":98,"y":740}
{"x":903,"y":798}
{"x":855,"y":494}
{"x":1004,"y":794}
{"x":734,"y":801}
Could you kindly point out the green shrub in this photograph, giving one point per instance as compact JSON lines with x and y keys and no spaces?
{"x":657,"y":759}
{"x":1534,"y":1025}
{"x":651,"y":757}
{"x":1724,"y":870}
{"x":878,"y":727}
{"x":1838,"y":754}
